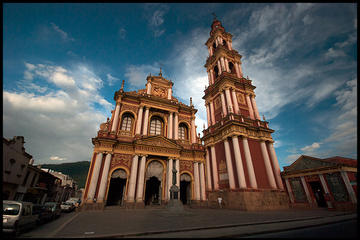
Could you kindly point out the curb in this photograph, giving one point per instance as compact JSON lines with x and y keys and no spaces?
{"x":225,"y":226}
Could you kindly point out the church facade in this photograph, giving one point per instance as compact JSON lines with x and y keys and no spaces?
{"x":241,"y":162}
{"x":150,"y":133}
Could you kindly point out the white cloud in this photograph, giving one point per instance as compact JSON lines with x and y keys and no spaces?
{"x":155,"y":16}
{"x":122,"y":33}
{"x":136,"y":75}
{"x":311,"y":147}
{"x":62,"y":33}
{"x":56,"y":158}
{"x":111,"y":79}
{"x":334,"y":53}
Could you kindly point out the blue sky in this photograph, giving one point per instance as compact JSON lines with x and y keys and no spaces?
{"x":62,"y":64}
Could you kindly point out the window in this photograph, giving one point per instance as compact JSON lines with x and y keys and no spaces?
{"x":183,"y":132}
{"x":156,"y":126}
{"x":126,"y":122}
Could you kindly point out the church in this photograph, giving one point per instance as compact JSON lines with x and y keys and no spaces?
{"x":151,"y":135}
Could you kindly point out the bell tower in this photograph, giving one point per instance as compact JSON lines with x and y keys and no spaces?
{"x":241,"y":162}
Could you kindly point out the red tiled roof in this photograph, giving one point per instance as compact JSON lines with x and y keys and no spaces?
{"x":342,"y":160}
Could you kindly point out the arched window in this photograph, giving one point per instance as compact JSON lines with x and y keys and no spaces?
{"x":126,"y":122}
{"x":183,"y":132}
{"x":225,"y":43}
{"x":214,"y":45}
{"x":216,"y":71}
{"x":232,"y":68}
{"x":156,"y":126}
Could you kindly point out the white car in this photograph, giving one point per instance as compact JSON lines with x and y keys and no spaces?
{"x":67,"y":206}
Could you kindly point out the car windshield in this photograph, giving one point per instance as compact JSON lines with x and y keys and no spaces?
{"x":11,"y":209}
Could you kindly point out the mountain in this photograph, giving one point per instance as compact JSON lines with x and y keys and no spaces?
{"x":76,"y":170}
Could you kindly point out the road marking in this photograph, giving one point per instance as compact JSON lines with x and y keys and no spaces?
{"x":63,"y":225}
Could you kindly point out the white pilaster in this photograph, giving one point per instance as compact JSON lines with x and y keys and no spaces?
{"x":169,"y":177}
{"x":236,"y":105}
{"x":257,"y":116}
{"x":116,"y":117}
{"x":219,"y":67}
{"x":228,"y":99}
{"x":348,"y":186}
{"x":197,"y":181}
{"x":249,"y":165}
{"x":275,"y":164}
{"x":193,"y":130}
{"x":170,"y":129}
{"x":202,"y":182}
{"x":268,"y":168}
{"x":326,"y":189}
{"x":177,"y":167}
{"x":140,"y":182}
{"x":237,"y":70}
{"x":240,"y":70}
{"x":132,"y":181}
{"x":176,"y":123}
{"x":94,"y":176}
{"x":238,"y":161}
{"x":303,"y":182}
{"x":229,"y":166}
{"x":251,"y":111}
{"x":146,"y":121}
{"x":104,"y":178}
{"x":224,"y":110}
{"x":227,"y":65}
{"x":212,"y":113}
{"x":289,"y":190}
{"x":148,"y":89}
{"x":208,"y":173}
{"x":169,"y":93}
{"x":214,"y":168}
{"x":139,"y":120}
{"x":222,"y":64}
{"x":212,"y":76}
{"x":208,"y":114}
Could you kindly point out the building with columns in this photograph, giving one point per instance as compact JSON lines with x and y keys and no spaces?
{"x":241,"y":163}
{"x":330,"y":183}
{"x":150,"y":133}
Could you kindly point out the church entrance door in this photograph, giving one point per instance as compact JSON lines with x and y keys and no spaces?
{"x":117,"y":188}
{"x":185,"y":188}
{"x":153,"y":191}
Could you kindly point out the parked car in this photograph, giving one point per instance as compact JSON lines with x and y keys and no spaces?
{"x":54,"y":208}
{"x":18,"y":216}
{"x":44,"y":213}
{"x":67,"y":206}
{"x":75,"y":201}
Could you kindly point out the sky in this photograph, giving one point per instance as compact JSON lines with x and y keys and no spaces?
{"x":62,"y":64}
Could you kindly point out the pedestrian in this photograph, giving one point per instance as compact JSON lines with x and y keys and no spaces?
{"x":220,"y":200}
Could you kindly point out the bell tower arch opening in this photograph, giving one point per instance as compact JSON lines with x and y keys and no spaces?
{"x":117,"y":188}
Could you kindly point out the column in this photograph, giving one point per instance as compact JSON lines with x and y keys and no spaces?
{"x":238,"y":162}
{"x":94,"y":176}
{"x":306,"y":189}
{"x":348,"y":186}
{"x":212,"y":76}
{"x":208,"y":173}
{"x":177,"y":167}
{"x":202,"y":182}
{"x":169,"y":93}
{"x":228,"y":100}
{"x":146,"y":120}
{"x":197,"y":181}
{"x":255,"y":107}
{"x":209,"y":77}
{"x":240,"y":71}
{"x":268,"y":168}
{"x":176,"y":132}
{"x":227,"y":65}
{"x":104,"y":178}
{"x":208,"y":114}
{"x":214,"y":168}
{"x":289,"y":190}
{"x":169,"y":177}
{"x":222,"y":64}
{"x":251,"y":111}
{"x":326,"y":190}
{"x":224,"y":110}
{"x":116,"y":117}
{"x":249,"y":165}
{"x":139,"y":120}
{"x":148,"y":89}
{"x":275,"y":164}
{"x":132,"y":181}
{"x":170,"y":128}
{"x":236,"y":105}
{"x":140,"y":182}
{"x":229,"y":166}
{"x":237,"y":70}
{"x":212,"y":112}
{"x":211,"y":51}
{"x":193,"y":130}
{"x":219,"y":67}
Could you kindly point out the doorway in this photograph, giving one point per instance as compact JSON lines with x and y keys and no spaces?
{"x":117,"y":188}
{"x":318,"y":193}
{"x":185,"y":188}
{"x":153,"y":191}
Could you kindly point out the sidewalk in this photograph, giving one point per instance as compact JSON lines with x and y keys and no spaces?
{"x":115,"y":222}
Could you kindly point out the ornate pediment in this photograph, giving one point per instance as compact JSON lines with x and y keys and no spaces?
{"x":305,"y":162}
{"x":157,"y":141}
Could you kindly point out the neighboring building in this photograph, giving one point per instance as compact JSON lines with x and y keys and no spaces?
{"x":150,"y":133}
{"x":15,"y":165}
{"x":315,"y":182}
{"x":241,"y":163}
